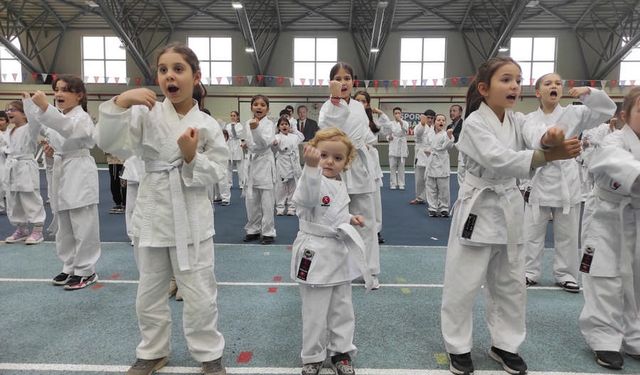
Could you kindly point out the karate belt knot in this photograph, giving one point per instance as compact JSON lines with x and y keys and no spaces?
{"x":179,"y":208}
{"x":58,"y":158}
{"x":12,"y":159}
{"x":349,"y":235}
{"x":630,"y":261}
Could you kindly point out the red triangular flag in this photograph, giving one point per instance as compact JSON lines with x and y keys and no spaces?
{"x":572,"y":83}
{"x":320,"y":81}
{"x":280,"y":80}
{"x":454,"y":81}
{"x":34,"y":75}
{"x":260,"y":77}
{"x":435,"y":81}
{"x":375,"y":83}
{"x":592,"y":83}
{"x":415,"y":82}
{"x":302,"y":81}
{"x":138,"y":81}
{"x":395,"y":83}
{"x":614,"y":83}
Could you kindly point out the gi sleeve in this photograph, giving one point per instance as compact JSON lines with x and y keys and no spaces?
{"x":597,"y":108}
{"x":210,"y":164}
{"x":70,"y":127}
{"x":622,"y":168}
{"x":119,"y":130}
{"x":334,"y":115}
{"x":307,"y":192}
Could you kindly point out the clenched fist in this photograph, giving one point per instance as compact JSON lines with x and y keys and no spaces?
{"x":188,"y":143}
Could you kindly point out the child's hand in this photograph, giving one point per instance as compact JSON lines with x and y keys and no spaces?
{"x":141,"y":96}
{"x":427,"y":152}
{"x":450,"y":133}
{"x":311,"y":156}
{"x":253,"y":124}
{"x":188,"y":143}
{"x":357,"y":220}
{"x":553,"y":137}
{"x":335,"y":88}
{"x":275,"y":142}
{"x":48,"y":150}
{"x":577,"y":92}
{"x":40,"y":99}
{"x":376,"y":110}
{"x":568,"y":149}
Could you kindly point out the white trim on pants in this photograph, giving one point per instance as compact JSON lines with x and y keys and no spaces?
{"x":78,"y":240}
{"x":199,"y":290}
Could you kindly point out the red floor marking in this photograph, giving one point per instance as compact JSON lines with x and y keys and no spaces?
{"x":97,"y":286}
{"x":114,"y":276}
{"x":277,"y":278}
{"x":244,"y":357}
{"x":273,"y":290}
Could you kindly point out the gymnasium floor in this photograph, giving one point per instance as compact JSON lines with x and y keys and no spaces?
{"x":46,"y":330}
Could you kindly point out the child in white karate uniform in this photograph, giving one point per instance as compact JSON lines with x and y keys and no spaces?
{"x":184,"y":153}
{"x":423,"y":137}
{"x":4,"y":123}
{"x":328,"y":254}
{"x":133,"y":173}
{"x":485,"y":245}
{"x":438,"y":169}
{"x":236,"y":132}
{"x":285,"y":146}
{"x":397,"y":131}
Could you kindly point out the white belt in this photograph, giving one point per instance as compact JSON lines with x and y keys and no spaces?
{"x":57,"y":172}
{"x":564,"y":193}
{"x":179,"y":208}
{"x":500,"y":187}
{"x":632,"y":260}
{"x":347,"y":233}
{"x":11,"y":160}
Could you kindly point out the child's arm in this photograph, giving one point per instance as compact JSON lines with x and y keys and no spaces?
{"x":597,"y":108}
{"x":262,"y":135}
{"x":31,"y":111}
{"x":69,"y":127}
{"x":307,"y":192}
{"x":618,"y":164}
{"x":208,"y":165}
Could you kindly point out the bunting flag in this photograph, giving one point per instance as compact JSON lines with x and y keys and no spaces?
{"x":260,"y":78}
{"x":15,"y":76}
{"x":321,"y":81}
{"x":464,"y":81}
{"x":138,"y":81}
{"x":415,"y":82}
{"x":311,"y":82}
{"x":435,"y":81}
{"x":404,"y":83}
{"x":603,"y":83}
{"x":385,"y":83}
{"x":117,"y":79}
{"x":34,"y":75}
{"x":395,"y":83}
{"x":219,"y":79}
{"x":249,"y":79}
{"x":572,"y":83}
{"x":96,"y":79}
{"x":229,"y":80}
{"x":376,"y":83}
{"x":622,"y":82}
{"x":280,"y":80}
{"x":614,"y":83}
{"x":86,"y":79}
{"x":4,"y":76}
{"x":366,"y":83}
{"x":356,"y":83}
{"x":238,"y":80}
{"x":592,"y":83}
{"x":292,"y":81}
{"x":44,"y":77}
{"x":454,"y":81}
{"x":128,"y":80}
{"x":633,"y":82}
{"x":425,"y":82}
{"x":302,"y":81}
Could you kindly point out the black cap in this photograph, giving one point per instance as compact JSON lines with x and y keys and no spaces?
{"x":430,"y":112}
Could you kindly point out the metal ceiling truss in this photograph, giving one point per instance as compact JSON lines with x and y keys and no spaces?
{"x":371,"y":26}
{"x":260,"y":24}
{"x":37,"y":33}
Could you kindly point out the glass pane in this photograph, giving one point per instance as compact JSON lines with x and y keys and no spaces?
{"x":5,"y":54}
{"x":221,"y":69}
{"x":116,"y":68}
{"x":92,"y":47}
{"x":114,"y":48}
{"x":521,"y":49}
{"x":327,"y":49}
{"x":221,"y":49}
{"x":200,"y":47}
{"x":526,"y":73}
{"x":410,"y":49}
{"x":303,"y":70}
{"x":94,"y":69}
{"x":544,"y":49}
{"x":434,"y":49}
{"x":411,"y":71}
{"x":541,"y":68}
{"x":322,"y":72}
{"x":634,"y":55}
{"x":206,"y":72}
{"x":11,"y":68}
{"x":628,"y":71}
{"x":304,"y":49}
{"x":432,"y":70}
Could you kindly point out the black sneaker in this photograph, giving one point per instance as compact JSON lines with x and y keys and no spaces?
{"x":312,"y":368}
{"x":609,"y":359}
{"x":267,"y":240}
{"x":342,"y":364}
{"x":433,"y":213}
{"x":61,"y":279}
{"x":634,"y":356}
{"x":444,"y":213}
{"x":569,"y":286}
{"x":79,"y":282}
{"x":147,"y":366}
{"x":251,"y":237}
{"x":511,"y":362}
{"x":530,"y":282}
{"x":380,"y":239}
{"x":214,"y":367}
{"x":460,"y":364}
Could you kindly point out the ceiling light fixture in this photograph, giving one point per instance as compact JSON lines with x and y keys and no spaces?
{"x":375,"y":50}
{"x":249,"y":50}
{"x":237,"y":5}
{"x":503,"y":49}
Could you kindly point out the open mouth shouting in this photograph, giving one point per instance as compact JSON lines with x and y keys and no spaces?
{"x":172,"y":88}
{"x":553,"y":93}
{"x":512,"y":97}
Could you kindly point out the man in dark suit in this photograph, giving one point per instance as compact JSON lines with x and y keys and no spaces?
{"x":455,"y":113}
{"x":306,"y":126}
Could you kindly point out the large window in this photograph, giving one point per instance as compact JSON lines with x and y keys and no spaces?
{"x":215,"y":58}
{"x":104,"y":59}
{"x":630,"y":65}
{"x":10,"y":68}
{"x":423,"y":60}
{"x":536,"y":56}
{"x":313,"y":59}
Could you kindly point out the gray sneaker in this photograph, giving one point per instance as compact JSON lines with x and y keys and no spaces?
{"x":213,"y":367}
{"x":147,"y":366}
{"x":312,"y":368}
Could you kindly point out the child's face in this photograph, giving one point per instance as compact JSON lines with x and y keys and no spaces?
{"x":550,"y":90}
{"x":361,"y":98}
{"x":344,"y":77}
{"x":439,"y":123}
{"x":234,"y":117}
{"x":176,"y":79}
{"x":333,"y":157}
{"x":283,"y":127}
{"x":65,"y":99}
{"x":504,"y":88}
{"x":15,"y":116}
{"x":3,"y":124}
{"x":397,"y":114}
{"x":633,"y":117}
{"x":259,"y":108}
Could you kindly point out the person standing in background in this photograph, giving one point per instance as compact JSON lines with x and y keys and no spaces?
{"x":118,"y":191}
{"x":306,"y":126}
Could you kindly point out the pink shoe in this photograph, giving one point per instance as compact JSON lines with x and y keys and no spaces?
{"x":35,"y":237}
{"x":20,"y":234}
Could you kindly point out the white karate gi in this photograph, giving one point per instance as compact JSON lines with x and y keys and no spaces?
{"x":22,"y":178}
{"x":398,"y":151}
{"x":133,"y":172}
{"x":593,"y":138}
{"x":372,"y":142}
{"x":610,"y":318}
{"x":424,"y":137}
{"x":236,"y":132}
{"x":260,"y":179}
{"x":361,"y":175}
{"x":74,"y":185}
{"x":287,"y":170}
{"x":3,"y":158}
{"x":437,"y":172}
{"x":172,"y":223}
{"x":553,"y":190}
{"x":488,"y":251}
{"x":327,"y":254}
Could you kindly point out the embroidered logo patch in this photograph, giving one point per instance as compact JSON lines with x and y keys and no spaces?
{"x":615,"y":185}
{"x":326,"y":200}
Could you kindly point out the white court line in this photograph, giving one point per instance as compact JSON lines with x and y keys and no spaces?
{"x":250,"y":370}
{"x":269,"y":284}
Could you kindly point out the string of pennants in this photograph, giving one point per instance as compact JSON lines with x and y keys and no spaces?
{"x":259,"y":80}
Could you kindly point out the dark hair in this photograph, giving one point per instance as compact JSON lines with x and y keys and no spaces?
{"x":284,"y":112}
{"x":632,"y":97}
{"x":3,"y":115}
{"x":302,"y":106}
{"x":457,"y":105}
{"x":17,"y":104}
{"x":236,"y":112}
{"x":430,"y":112}
{"x":186,"y":52}
{"x":483,"y":75}
{"x":539,"y":80}
{"x":225,"y":133}
{"x":372,"y":125}
{"x":199,"y":94}
{"x":206,"y":111}
{"x":260,"y":96}
{"x":340,"y":65}
{"x":289,"y":107}
{"x":396,"y":108}
{"x":74,"y":85}
{"x":282,"y":119}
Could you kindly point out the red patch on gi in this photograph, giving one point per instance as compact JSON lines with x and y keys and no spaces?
{"x":326,"y":200}
{"x":244,"y":357}
{"x":273,"y":290}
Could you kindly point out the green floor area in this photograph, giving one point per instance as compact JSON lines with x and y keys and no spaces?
{"x":398,"y":326}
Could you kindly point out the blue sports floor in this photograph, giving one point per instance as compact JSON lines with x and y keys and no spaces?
{"x":46,"y":330}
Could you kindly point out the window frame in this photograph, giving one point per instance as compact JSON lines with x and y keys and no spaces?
{"x":625,"y":60}
{"x":209,"y":78}
{"x":315,"y":62}
{"x":532,"y":61}
{"x":19,"y":78}
{"x":122,"y":80}
{"x":426,"y":81}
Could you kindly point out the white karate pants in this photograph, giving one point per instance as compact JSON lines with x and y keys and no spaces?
{"x":421,"y":193}
{"x":25,"y":207}
{"x":364,"y":204}
{"x":396,"y":167}
{"x":260,"y":212}
{"x":78,"y":240}
{"x":438,"y":195}
{"x":284,"y":196}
